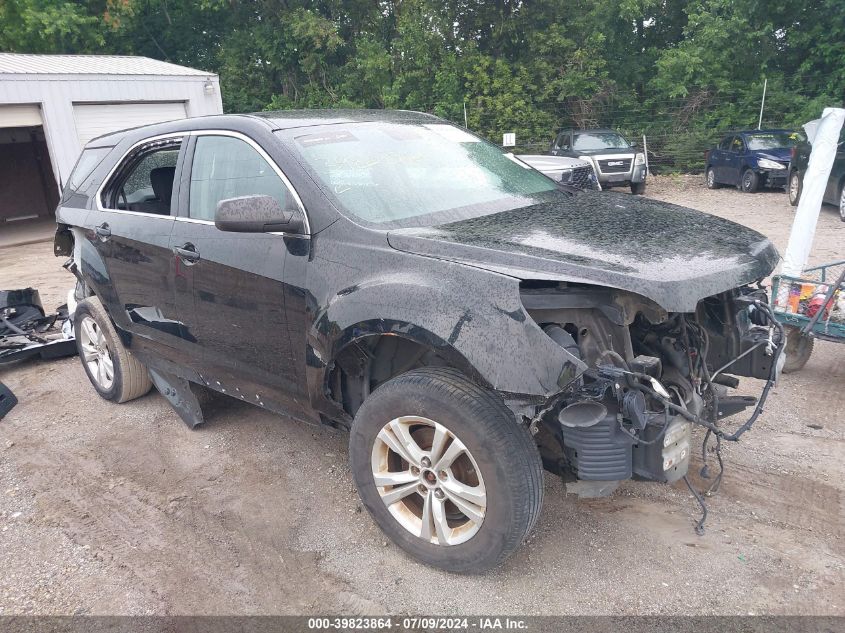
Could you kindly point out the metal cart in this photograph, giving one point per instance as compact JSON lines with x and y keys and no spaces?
{"x":805,"y":305}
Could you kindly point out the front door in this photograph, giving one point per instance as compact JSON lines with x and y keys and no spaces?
{"x":130,"y":233}
{"x":229,"y":286}
{"x":833,"y":191}
{"x":734,"y":162}
{"x":718,"y":158}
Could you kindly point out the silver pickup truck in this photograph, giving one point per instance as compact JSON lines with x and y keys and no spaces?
{"x":615,"y":160}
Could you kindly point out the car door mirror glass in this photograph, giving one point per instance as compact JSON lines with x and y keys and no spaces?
{"x":256,"y":214}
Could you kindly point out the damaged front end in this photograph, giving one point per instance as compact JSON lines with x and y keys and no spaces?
{"x":651,"y":375}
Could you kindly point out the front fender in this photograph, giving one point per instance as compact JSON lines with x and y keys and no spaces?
{"x":475,"y":315}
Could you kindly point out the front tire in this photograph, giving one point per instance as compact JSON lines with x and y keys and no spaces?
{"x":113,"y":371}
{"x":445,"y":470}
{"x":638,"y":188}
{"x":793,"y":188}
{"x":798,"y":349}
{"x":750,"y":181}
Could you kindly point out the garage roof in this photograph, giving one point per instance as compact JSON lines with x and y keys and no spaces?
{"x":24,"y":64}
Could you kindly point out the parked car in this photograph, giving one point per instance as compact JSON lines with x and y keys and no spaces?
{"x":834,"y":193}
{"x":467,"y":319}
{"x":615,"y":161}
{"x":750,"y":159}
{"x":568,"y":171}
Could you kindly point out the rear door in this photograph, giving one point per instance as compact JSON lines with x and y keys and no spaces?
{"x":95,"y":119}
{"x":129,"y":229}
{"x":229,"y":286}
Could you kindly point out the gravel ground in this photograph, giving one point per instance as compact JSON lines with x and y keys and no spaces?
{"x":108,"y":509}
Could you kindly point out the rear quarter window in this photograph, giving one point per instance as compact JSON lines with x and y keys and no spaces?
{"x":88,"y":161}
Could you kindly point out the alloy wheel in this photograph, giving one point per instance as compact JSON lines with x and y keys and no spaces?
{"x":428,"y":480}
{"x":794,"y":182}
{"x":746,"y":180}
{"x":95,"y":353}
{"x":711,"y":178}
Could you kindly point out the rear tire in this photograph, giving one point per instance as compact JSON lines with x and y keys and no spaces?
{"x":710,"y":179}
{"x":638,"y":188}
{"x":112,"y":369}
{"x":497,"y":465}
{"x":793,"y":188}
{"x":798,"y":349}
{"x":749,"y":182}
{"x":842,"y":202}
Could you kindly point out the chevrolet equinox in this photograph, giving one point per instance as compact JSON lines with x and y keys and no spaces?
{"x":470,"y":321}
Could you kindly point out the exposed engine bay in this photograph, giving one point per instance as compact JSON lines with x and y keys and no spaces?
{"x":651,"y":375}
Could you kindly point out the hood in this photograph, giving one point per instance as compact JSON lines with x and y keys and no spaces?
{"x":613,"y":151}
{"x":672,"y":255}
{"x":781,"y":154}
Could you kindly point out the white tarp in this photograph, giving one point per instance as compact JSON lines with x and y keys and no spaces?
{"x":824,"y":136}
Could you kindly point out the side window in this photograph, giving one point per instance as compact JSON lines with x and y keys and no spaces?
{"x":563,"y":140}
{"x":87,"y":163}
{"x":226,"y":167}
{"x":726,"y":143}
{"x":737,"y":145}
{"x":144,"y":182}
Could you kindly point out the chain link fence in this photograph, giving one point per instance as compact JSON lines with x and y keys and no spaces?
{"x":676,"y":132}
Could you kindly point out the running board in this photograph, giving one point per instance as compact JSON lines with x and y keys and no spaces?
{"x":177,"y":391}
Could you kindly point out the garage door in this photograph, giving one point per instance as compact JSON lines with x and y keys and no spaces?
{"x":20,"y":115}
{"x":96,"y":119}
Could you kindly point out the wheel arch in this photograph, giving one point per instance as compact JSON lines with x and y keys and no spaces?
{"x":487,"y":335}
{"x":373,"y":352}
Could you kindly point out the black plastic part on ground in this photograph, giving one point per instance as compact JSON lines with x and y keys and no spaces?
{"x":7,"y":400}
{"x":45,"y":351}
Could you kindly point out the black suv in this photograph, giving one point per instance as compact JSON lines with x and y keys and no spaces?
{"x":467,"y":318}
{"x":834,"y":192}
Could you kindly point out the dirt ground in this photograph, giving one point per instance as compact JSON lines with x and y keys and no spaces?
{"x":120,"y":509}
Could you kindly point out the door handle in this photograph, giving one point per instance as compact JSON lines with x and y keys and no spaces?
{"x":103,"y":231}
{"x":188,"y":253}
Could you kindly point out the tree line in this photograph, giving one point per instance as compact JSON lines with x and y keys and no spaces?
{"x":680,"y":71}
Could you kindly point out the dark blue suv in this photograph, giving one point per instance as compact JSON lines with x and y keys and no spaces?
{"x":751,"y":159}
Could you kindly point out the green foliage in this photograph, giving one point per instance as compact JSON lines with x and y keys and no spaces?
{"x":679,"y":71}
{"x":45,"y":26}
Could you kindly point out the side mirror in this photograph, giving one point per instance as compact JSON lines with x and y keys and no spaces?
{"x":633,"y":145}
{"x":256,"y":214}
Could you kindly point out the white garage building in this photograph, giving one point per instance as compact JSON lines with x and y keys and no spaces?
{"x":51,"y":105}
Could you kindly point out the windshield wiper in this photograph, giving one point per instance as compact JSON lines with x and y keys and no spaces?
{"x":570,"y":189}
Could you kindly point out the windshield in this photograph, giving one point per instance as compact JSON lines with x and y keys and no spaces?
{"x":773,"y":140}
{"x":586,"y":141}
{"x":403,"y":174}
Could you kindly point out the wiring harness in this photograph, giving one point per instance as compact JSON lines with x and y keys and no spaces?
{"x":651,"y":387}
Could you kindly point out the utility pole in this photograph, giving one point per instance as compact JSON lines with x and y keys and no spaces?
{"x":762,"y":103}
